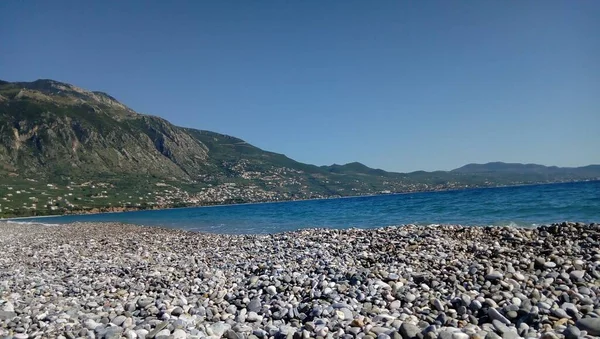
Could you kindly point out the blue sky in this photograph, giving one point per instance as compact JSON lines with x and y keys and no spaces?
{"x":398,"y":85}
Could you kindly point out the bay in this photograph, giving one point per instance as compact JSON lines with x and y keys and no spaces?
{"x":512,"y":206}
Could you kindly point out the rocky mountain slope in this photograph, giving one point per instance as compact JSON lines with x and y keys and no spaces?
{"x":53,"y":132}
{"x":54,"y":129}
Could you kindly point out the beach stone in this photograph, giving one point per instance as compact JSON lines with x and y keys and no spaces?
{"x":177,"y":311}
{"x":253,"y":316}
{"x":475,"y":305}
{"x":129,"y":334}
{"x":438,"y":305}
{"x":179,"y":334}
{"x":512,"y":314}
{"x":492,"y":335}
{"x":229,"y":334}
{"x":141,"y":333}
{"x":8,"y":307}
{"x":460,"y":335}
{"x":510,"y":335}
{"x":409,"y":331}
{"x":494,"y":275}
{"x":584,"y":290}
{"x":322,"y":331}
{"x":590,"y":325}
{"x":539,"y":262}
{"x":254,"y":305}
{"x":446,"y":333}
{"x":410,"y":297}
{"x":154,"y":332}
{"x":127,"y":323}
{"x":119,"y":320}
{"x":144,"y":302}
{"x":519,"y":276}
{"x":516,"y":301}
{"x":560,"y":313}
{"x":118,"y":280}
{"x":494,"y":314}
{"x":379,"y":330}
{"x":7,"y":315}
{"x":219,"y":328}
{"x":393,"y":276}
{"x":113,"y":332}
{"x":164,"y":334}
{"x":572,"y":332}
{"x":91,"y":324}
{"x":577,"y":275}
{"x":357,"y":322}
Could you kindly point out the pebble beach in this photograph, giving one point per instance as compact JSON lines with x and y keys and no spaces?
{"x":110,"y":280}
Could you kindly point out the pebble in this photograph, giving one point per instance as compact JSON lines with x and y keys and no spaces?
{"x":494,"y":276}
{"x":495,"y":315}
{"x":409,"y":331}
{"x":577,"y":275}
{"x":450,"y":282}
{"x":460,"y":335}
{"x":254,"y":305}
{"x":572,"y":332}
{"x":141,"y":333}
{"x":119,"y":320}
{"x":591,"y":325}
{"x":272,"y":290}
{"x":219,"y":328}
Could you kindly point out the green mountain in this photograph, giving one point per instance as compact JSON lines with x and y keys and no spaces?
{"x":529,"y":172}
{"x":66,"y":149}
{"x":495,"y":167}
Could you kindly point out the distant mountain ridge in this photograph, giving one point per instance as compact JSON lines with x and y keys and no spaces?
{"x":501,"y":168}
{"x":520,"y":168}
{"x":59,"y":133}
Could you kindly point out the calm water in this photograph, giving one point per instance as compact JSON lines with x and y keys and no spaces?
{"x":522,"y":206}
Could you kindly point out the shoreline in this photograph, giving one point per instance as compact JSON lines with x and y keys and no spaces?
{"x":297,"y":200}
{"x":113,"y":280}
{"x":299,"y":229}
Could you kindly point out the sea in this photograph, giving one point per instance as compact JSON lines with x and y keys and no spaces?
{"x":519,"y":206}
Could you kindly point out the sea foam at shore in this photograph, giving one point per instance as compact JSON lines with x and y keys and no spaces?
{"x":94,"y":280}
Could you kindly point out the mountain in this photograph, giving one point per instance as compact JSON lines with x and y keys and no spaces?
{"x":53,"y":129}
{"x":520,"y":168}
{"x":529,"y":172}
{"x":66,"y":149}
{"x":356,"y":168}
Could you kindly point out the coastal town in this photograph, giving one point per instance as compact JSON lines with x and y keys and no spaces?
{"x":33,"y":198}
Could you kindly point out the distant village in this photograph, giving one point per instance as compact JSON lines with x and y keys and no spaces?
{"x":278,"y":184}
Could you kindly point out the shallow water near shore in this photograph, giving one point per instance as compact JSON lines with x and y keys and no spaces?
{"x":524,"y":206}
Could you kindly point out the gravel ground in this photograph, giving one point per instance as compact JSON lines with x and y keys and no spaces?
{"x":452,"y":282}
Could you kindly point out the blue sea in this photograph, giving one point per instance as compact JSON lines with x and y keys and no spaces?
{"x":525,"y":206}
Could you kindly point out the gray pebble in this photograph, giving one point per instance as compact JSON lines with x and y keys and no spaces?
{"x":494,"y":314}
{"x":409,"y":331}
{"x":572,"y":332}
{"x":591,"y":325}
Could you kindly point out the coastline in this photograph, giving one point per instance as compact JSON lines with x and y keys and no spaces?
{"x":127,"y":210}
{"x":112,"y":280}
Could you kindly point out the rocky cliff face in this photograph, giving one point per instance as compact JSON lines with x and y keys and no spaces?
{"x":51,"y":128}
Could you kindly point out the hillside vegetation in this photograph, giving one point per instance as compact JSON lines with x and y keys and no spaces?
{"x":65,"y":149}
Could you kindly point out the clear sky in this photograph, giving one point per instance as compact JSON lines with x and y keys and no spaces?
{"x":398,"y":85}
